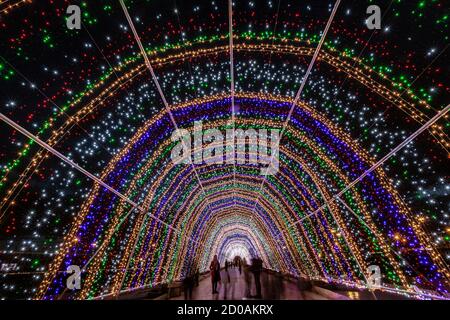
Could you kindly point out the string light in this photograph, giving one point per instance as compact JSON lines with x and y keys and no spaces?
{"x":110,"y":120}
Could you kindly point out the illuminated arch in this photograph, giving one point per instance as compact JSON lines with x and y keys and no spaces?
{"x":172,"y":193}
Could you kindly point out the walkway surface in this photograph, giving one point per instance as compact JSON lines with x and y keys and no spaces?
{"x":272,"y":287}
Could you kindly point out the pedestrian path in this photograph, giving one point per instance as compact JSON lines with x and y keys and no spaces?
{"x":273,"y":287}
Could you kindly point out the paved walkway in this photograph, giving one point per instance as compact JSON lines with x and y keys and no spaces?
{"x":273,"y":287}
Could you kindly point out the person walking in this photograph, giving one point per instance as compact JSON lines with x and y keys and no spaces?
{"x":256,"y":269}
{"x":197,"y":276}
{"x":228,"y":283}
{"x":214,"y":269}
{"x":247,"y":279}
{"x":188,"y":285}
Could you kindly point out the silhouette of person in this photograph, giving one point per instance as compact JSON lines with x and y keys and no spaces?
{"x":256,"y":269}
{"x":228,"y":284}
{"x":214,"y":269}
{"x":197,"y":276}
{"x":247,"y":278}
{"x":188,"y":284}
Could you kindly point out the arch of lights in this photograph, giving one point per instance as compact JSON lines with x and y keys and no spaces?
{"x":317,"y":159}
{"x":310,"y":172}
{"x":236,"y":249}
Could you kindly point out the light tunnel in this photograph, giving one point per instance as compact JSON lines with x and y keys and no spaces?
{"x":316,"y":159}
{"x":138,"y":218}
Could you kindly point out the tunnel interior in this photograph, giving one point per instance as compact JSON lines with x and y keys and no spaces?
{"x":191,"y":167}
